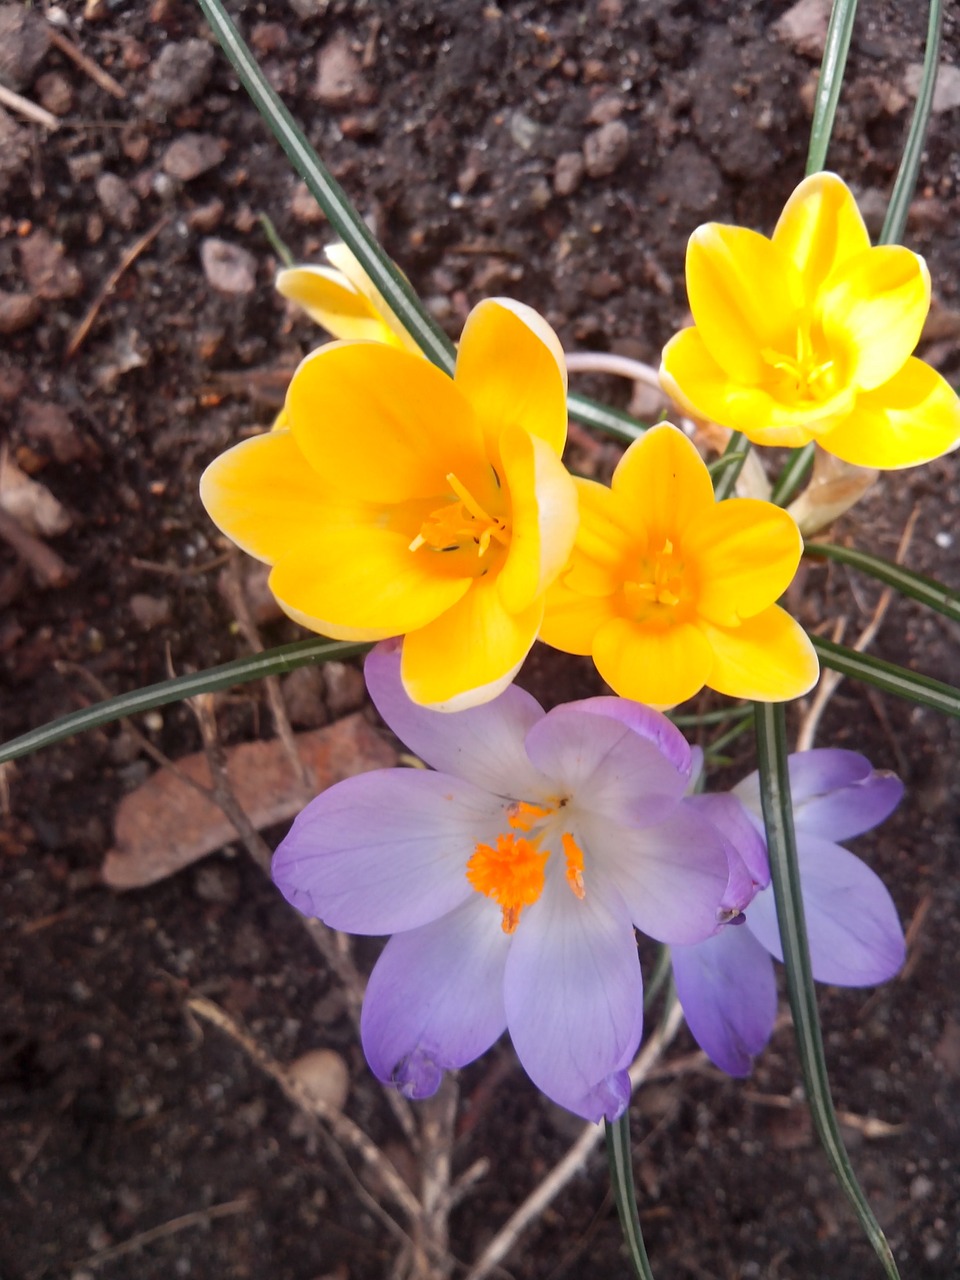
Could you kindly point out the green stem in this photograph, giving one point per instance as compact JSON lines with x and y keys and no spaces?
{"x":620,"y":1159}
{"x":831,"y":80}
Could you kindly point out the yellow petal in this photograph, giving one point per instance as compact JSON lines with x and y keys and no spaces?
{"x":383,"y":424}
{"x":744,"y":294}
{"x":747,"y":552}
{"x":692,"y":377}
{"x":543,"y":506}
{"x":768,"y":658}
{"x":470,"y":653}
{"x":265,"y":496}
{"x":664,"y":483}
{"x":820,"y":229}
{"x":510,"y":367}
{"x":873,"y":312}
{"x":361,"y":582}
{"x":572,"y":620}
{"x":331,"y":301}
{"x":913,"y":418}
{"x":345,"y":261}
{"x":659,"y":666}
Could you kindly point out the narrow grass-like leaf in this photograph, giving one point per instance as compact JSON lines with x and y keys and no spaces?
{"x":888,"y":676}
{"x":906,"y":179}
{"x":328,"y":193}
{"x":720,"y":716}
{"x":785,"y":877}
{"x":831,"y":79}
{"x":620,"y":1160}
{"x":602,"y":417}
{"x":272,"y":662}
{"x":793,"y":474}
{"x":732,"y":460}
{"x":915,"y":585}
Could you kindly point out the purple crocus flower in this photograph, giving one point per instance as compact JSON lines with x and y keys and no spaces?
{"x":726,"y":984}
{"x":512,"y":879}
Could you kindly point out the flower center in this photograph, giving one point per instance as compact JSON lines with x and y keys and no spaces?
{"x":462,"y":523}
{"x":809,"y":374}
{"x":662,"y":589}
{"x":512,"y":872}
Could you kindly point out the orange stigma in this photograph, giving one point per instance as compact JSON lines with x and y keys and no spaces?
{"x":511,"y":874}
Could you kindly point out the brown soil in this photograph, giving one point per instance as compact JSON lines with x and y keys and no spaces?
{"x":449,"y":130}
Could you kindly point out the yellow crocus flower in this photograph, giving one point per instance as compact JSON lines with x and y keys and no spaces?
{"x":669,"y":590}
{"x":808,"y":336}
{"x":401,"y":501}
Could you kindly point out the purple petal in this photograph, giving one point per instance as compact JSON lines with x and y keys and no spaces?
{"x":434,"y":1001}
{"x":603,"y":762}
{"x":836,"y":794}
{"x":726,"y":813}
{"x":649,"y":724}
{"x":574,"y":997}
{"x":483,"y":744}
{"x":386,"y":850}
{"x":852,"y":925}
{"x":728,"y":991}
{"x":673,"y":876}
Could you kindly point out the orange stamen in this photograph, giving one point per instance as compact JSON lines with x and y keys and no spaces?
{"x":523,"y":816}
{"x":511,"y":874}
{"x":455,"y":523}
{"x":574,"y":856}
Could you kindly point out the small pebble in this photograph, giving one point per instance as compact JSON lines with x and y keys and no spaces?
{"x":605,"y":149}
{"x":228,"y":268}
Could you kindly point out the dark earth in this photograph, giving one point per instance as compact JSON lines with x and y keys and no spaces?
{"x":560,"y":153}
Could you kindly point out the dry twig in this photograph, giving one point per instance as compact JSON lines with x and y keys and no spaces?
{"x":199,"y":1218}
{"x":87,"y":65}
{"x":48,"y":568}
{"x":131,"y":255}
{"x":29,"y":110}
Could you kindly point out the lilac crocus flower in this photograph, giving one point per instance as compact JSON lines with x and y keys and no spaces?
{"x":512,"y":879}
{"x":726,"y":984}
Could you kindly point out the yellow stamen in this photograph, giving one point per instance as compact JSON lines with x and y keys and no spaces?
{"x":511,"y":874}
{"x":459,"y":522}
{"x":661,"y":581}
{"x":574,"y":856}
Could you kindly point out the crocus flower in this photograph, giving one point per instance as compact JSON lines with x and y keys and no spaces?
{"x":808,"y":336}
{"x":400,"y":501}
{"x":512,"y":879}
{"x":726,"y":984}
{"x":344,"y":300}
{"x":670,"y":590}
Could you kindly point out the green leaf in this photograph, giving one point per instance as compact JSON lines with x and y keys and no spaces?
{"x":612,"y":422}
{"x":831,"y":79}
{"x":785,"y":876}
{"x":793,"y":474}
{"x":620,"y":1160}
{"x":258,"y":665}
{"x":906,"y":179}
{"x":888,"y":676}
{"x":915,"y":585}
{"x":731,"y":460}
{"x":328,"y":193}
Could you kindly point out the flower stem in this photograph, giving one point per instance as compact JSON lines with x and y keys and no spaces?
{"x":620,"y":1159}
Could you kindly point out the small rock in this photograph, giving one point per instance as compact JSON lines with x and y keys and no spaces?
{"x":946,"y":95}
{"x":323,"y":1076}
{"x":568,"y":173}
{"x":303,"y":695}
{"x":13,"y":382}
{"x":268,"y":37}
{"x":606,"y":148}
{"x":206,"y":217}
{"x":47,"y":427}
{"x":339,"y":81}
{"x":23,"y":45}
{"x":119,"y":203}
{"x":523,"y":130}
{"x":18,"y":311}
{"x":48,"y":271}
{"x":191,"y":155}
{"x":150,"y":611}
{"x":228,"y":268}
{"x":804,"y":27}
{"x":304,"y":208}
{"x":56,"y":93}
{"x":85,"y":166}
{"x":605,"y":109}
{"x":180,"y":73}
{"x":31,"y":504}
{"x":346,"y":690}
{"x":14,"y":150}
